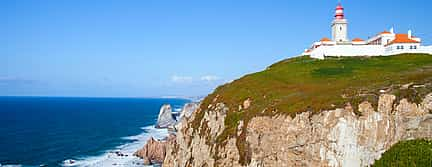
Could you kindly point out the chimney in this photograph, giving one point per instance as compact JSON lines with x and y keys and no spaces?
{"x":409,"y":34}
{"x":392,"y":30}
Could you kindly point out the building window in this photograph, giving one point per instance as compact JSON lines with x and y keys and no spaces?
{"x":415,"y":47}
{"x":397,"y":47}
{"x":402,"y":47}
{"x":340,"y":28}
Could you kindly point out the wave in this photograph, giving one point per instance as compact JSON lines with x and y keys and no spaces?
{"x":18,"y":165}
{"x":10,"y":165}
{"x":122,"y":155}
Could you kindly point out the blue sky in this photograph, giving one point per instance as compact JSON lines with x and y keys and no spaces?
{"x":143,"y":48}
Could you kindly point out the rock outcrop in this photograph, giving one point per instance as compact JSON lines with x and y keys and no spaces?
{"x":165,"y":117}
{"x":191,"y":146}
{"x":154,"y":150}
{"x":337,"y":137}
{"x":187,"y":110}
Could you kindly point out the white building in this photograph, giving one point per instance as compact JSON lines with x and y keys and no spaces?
{"x":383,"y":44}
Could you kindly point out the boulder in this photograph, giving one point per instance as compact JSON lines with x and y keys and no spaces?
{"x":165,"y":118}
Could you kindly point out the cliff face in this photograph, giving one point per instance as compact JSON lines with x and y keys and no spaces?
{"x":191,"y":147}
{"x":336,"y":137}
{"x":307,"y":112}
{"x":154,"y":150}
{"x":188,"y":109}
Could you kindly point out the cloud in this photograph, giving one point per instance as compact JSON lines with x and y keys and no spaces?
{"x":206,"y":79}
{"x":210,"y":78}
{"x":181,"y":79}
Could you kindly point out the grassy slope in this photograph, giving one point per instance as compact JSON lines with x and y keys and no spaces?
{"x":304,"y":84}
{"x":407,"y":153}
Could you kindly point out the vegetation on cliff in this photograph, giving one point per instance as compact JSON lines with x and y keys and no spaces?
{"x":407,"y":153}
{"x":304,"y":84}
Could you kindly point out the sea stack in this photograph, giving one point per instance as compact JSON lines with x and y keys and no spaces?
{"x":165,"y":118}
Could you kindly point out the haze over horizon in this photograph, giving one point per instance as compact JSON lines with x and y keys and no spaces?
{"x":159,"y":48}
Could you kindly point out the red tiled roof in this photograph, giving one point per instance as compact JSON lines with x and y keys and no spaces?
{"x":358,"y":40}
{"x":385,"y":32}
{"x":325,"y":40}
{"x":402,"y":38}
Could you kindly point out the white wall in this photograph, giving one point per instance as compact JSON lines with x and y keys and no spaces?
{"x":392,"y":50}
{"x":347,"y":50}
{"x":387,"y":38}
{"x":366,"y":50}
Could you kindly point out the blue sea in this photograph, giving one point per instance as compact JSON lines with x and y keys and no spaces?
{"x":48,"y":130}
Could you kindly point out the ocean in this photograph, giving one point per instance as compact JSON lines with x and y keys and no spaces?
{"x":38,"y":131}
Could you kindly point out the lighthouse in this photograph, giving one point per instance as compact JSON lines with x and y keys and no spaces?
{"x":340,"y":26}
{"x":386,"y":43}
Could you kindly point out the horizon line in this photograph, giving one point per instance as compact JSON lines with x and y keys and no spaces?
{"x":120,"y":97}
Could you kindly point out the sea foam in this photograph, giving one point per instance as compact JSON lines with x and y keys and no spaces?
{"x":110,"y":157}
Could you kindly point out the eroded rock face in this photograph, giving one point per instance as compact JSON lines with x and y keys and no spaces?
{"x":165,"y":117}
{"x":427,"y":103}
{"x":190,"y":149}
{"x":154,"y":150}
{"x":187,"y":110}
{"x":331,"y":138}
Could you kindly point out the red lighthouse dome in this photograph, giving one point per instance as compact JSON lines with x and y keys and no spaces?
{"x":339,"y":12}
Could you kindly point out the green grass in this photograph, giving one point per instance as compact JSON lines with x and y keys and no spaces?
{"x":407,"y":153}
{"x":304,"y":84}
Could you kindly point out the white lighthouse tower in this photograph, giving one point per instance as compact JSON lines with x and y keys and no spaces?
{"x":340,"y":26}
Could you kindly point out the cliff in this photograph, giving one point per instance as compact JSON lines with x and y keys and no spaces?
{"x":153,"y":152}
{"x":306,"y":112}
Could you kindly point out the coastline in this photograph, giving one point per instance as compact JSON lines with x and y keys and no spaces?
{"x":132,"y":121}
{"x":123,"y":155}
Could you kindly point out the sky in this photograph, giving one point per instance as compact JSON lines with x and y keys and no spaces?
{"x":154,"y":48}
